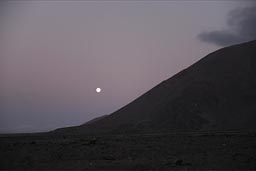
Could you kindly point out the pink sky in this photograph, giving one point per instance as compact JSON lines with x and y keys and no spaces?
{"x":55,"y":54}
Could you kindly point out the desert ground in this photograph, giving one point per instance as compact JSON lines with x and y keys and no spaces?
{"x":207,"y":150}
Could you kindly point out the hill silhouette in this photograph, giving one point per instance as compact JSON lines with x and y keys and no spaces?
{"x":216,"y":93}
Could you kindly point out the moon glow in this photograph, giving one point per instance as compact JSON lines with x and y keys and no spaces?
{"x":98,"y":90}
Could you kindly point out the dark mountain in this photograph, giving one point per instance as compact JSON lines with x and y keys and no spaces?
{"x":95,"y":120}
{"x":216,"y":93}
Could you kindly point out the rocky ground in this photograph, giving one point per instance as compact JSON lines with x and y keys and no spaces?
{"x":226,"y":150}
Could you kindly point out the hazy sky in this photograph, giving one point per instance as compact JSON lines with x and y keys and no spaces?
{"x":55,"y":54}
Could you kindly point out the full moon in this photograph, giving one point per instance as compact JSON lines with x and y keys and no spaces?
{"x":98,"y":90}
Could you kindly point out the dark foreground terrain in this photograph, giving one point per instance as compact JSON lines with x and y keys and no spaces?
{"x":211,"y":150}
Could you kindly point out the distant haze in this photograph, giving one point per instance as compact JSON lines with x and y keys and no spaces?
{"x":55,"y":54}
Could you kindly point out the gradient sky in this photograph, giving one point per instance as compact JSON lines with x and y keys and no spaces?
{"x":55,"y":54}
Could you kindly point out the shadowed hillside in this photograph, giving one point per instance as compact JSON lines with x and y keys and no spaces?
{"x":216,"y":93}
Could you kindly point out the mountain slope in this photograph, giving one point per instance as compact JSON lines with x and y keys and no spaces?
{"x":216,"y":93}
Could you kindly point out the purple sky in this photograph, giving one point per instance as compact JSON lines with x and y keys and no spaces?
{"x":55,"y":54}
